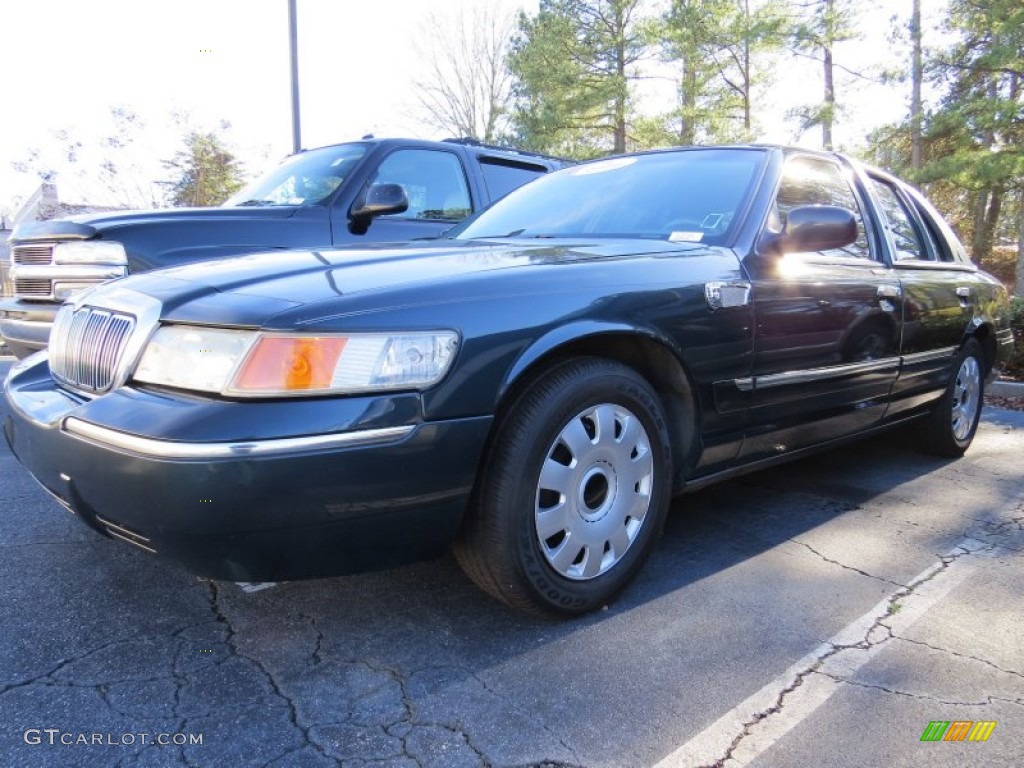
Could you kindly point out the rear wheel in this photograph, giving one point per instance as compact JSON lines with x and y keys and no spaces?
{"x":574,"y":491}
{"x":954,"y":420}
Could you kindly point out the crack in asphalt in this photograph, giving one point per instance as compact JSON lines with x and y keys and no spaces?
{"x":41,"y":678}
{"x":222,"y":618}
{"x":1002,"y":528}
{"x":518,"y":709}
{"x":833,"y":649}
{"x":921,"y":696}
{"x":845,"y":566}
{"x":408,"y":717}
{"x":951,"y":652}
{"x":318,"y":649}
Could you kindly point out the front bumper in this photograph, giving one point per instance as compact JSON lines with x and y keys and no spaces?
{"x":373,"y":488}
{"x":26,"y":325}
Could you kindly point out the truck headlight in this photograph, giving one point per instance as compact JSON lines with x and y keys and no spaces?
{"x":89,"y":252}
{"x":258,"y":364}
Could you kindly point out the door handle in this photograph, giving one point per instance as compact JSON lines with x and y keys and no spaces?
{"x":963,"y":292}
{"x":889,"y":292}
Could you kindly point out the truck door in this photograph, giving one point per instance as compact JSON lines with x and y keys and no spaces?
{"x":438,"y":192}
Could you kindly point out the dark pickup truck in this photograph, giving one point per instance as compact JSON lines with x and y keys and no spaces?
{"x":338,"y":195}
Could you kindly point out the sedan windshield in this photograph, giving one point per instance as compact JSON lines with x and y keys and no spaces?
{"x":682,"y":196}
{"x":307,"y":178}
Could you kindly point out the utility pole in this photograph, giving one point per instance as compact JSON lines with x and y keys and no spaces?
{"x":293,"y":45}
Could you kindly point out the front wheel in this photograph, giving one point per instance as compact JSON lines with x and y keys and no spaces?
{"x":574,"y":491}
{"x":954,"y":420}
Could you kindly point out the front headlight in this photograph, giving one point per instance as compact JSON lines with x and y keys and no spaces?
{"x":89,"y":252}
{"x":189,"y":357}
{"x":253,"y":364}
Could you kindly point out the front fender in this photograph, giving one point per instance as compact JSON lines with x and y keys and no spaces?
{"x":563,"y":336}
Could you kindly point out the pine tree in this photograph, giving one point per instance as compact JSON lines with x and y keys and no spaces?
{"x":208,"y":173}
{"x":573,"y":63}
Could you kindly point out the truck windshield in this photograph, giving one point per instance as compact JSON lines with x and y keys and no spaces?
{"x":307,"y":178}
{"x":682,"y":196}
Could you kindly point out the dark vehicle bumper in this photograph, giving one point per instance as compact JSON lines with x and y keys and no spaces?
{"x":303,"y":506}
{"x":25,"y":326}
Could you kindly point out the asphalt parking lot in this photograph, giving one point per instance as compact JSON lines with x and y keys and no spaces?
{"x":822,"y":613}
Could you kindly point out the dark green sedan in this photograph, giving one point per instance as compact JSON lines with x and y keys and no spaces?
{"x":532,"y":389}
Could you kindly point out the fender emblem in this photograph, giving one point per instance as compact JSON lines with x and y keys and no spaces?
{"x":722,"y":295}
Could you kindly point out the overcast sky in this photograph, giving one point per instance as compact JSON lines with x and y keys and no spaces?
{"x":64,"y":63}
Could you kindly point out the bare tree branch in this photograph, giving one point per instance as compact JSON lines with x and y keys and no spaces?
{"x":466,"y":85}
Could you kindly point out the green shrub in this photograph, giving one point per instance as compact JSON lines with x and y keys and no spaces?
{"x":1015,"y":367}
{"x":1003,"y":265}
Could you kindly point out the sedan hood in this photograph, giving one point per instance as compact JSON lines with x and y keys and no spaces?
{"x":283,"y":279}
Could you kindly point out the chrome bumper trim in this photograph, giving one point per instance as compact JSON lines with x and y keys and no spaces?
{"x":167,"y":449}
{"x":126,"y":534}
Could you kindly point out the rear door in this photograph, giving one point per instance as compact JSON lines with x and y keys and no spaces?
{"x":827,"y":324}
{"x":940,"y":292}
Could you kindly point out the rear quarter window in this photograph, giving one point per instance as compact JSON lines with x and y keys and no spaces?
{"x":502,"y":176}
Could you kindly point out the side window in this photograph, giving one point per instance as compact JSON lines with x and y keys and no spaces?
{"x":433,"y":180}
{"x":810,"y":181}
{"x":502,"y":176}
{"x":937,"y":231}
{"x":897,"y":219}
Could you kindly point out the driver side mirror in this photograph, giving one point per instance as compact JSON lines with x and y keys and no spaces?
{"x":811,"y":228}
{"x":378,"y":200}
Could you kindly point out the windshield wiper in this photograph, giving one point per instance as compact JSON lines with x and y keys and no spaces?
{"x":517,"y":233}
{"x":257,"y":202}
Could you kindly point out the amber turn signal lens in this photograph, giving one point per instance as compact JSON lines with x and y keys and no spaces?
{"x":278,"y":364}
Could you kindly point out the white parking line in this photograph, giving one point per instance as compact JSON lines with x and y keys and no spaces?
{"x":760,"y":721}
{"x":255,"y":586}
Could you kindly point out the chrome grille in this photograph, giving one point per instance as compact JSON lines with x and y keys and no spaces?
{"x":32,"y":254}
{"x":86,"y":345}
{"x":25,"y":286}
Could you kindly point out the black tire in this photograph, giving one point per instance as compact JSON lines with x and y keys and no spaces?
{"x":623,"y":466}
{"x":951,"y":425}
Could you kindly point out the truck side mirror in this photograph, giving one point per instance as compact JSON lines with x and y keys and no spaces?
{"x":378,"y":200}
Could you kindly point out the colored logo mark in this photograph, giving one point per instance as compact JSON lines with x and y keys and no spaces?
{"x":958,"y":730}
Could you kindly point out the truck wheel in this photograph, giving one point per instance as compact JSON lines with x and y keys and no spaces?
{"x":574,"y":491}
{"x":953,"y":421}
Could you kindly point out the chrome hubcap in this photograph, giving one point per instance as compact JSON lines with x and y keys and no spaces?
{"x":594,"y":491}
{"x":966,"y":397}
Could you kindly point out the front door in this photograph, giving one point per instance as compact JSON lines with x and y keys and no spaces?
{"x":827,"y":326}
{"x":439,"y":198}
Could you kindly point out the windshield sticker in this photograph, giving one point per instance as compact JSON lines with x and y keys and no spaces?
{"x":602,"y":166}
{"x":685,"y":237}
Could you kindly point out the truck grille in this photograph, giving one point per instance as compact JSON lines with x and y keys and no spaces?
{"x":33,"y":254}
{"x":33,"y":287}
{"x":86,"y":345}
